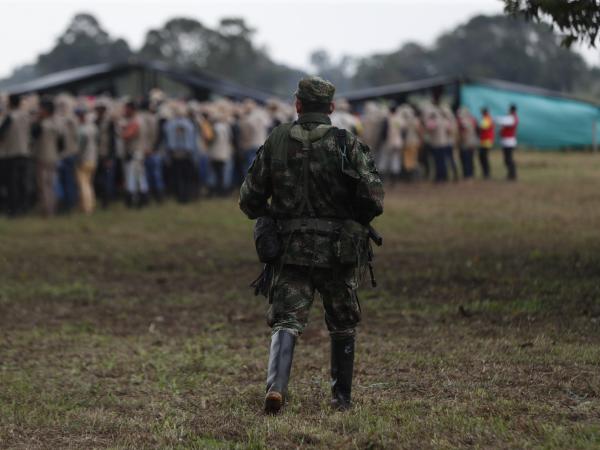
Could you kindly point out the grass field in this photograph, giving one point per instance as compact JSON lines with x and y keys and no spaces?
{"x":136,"y":329}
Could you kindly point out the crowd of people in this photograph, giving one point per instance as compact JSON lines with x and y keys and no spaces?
{"x":424,"y":142}
{"x":65,"y":152}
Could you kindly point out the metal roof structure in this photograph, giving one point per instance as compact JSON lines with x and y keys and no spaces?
{"x":396,"y":90}
{"x":400,"y":90}
{"x":202,"y":83}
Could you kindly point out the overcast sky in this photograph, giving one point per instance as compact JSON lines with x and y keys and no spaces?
{"x":290,"y":29}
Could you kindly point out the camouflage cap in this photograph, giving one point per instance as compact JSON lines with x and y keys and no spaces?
{"x":315,"y":90}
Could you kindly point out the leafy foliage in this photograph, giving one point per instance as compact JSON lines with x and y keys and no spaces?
{"x":84,"y":42}
{"x":501,"y":47}
{"x":227,"y":51}
{"x":486,"y":46}
{"x":578,"y":20}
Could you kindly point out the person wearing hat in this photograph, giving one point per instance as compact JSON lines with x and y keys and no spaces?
{"x":107,"y":150}
{"x":47,"y":140}
{"x":319,"y":186}
{"x":14,"y":155}
{"x":87,"y":158}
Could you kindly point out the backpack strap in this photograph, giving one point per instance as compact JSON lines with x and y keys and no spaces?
{"x":340,"y":136}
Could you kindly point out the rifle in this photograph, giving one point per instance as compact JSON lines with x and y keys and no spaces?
{"x":375,"y":236}
{"x":262,"y":284}
{"x":378,"y":240}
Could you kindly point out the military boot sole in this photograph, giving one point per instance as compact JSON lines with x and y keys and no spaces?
{"x":273,"y":402}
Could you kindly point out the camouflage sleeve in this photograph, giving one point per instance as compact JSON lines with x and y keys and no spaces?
{"x":368,"y":201}
{"x":256,"y":189}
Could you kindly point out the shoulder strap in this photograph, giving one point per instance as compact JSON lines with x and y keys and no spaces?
{"x":347,"y":168}
{"x":279,"y":146}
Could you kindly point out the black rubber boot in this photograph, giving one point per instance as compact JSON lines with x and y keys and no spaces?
{"x":342,"y":368}
{"x":278,"y":375}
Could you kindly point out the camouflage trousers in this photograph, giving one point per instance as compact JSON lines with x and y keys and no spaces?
{"x":292,"y":295}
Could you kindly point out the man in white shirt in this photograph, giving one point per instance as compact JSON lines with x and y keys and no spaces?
{"x":508,"y":140}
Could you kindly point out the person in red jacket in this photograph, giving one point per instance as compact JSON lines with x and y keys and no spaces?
{"x":508,"y":139}
{"x":486,"y":141}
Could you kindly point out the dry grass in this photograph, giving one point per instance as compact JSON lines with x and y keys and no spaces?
{"x":137,"y":330}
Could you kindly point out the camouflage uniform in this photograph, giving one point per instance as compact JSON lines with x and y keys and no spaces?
{"x":302,"y":179}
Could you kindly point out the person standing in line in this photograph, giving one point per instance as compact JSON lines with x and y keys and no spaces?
{"x":426,"y":151}
{"x":468,"y":141}
{"x":107,"y":152}
{"x":451,"y":139}
{"x":47,"y":141}
{"x":87,"y":157}
{"x":254,"y":125}
{"x":343,"y":118}
{"x":486,"y":141}
{"x":180,"y":144}
{"x":67,"y":122}
{"x":412,"y":143}
{"x":508,"y":140}
{"x":392,"y":143}
{"x":220,"y":151}
{"x":132,"y":135}
{"x":14,"y":156}
{"x":438,"y":138}
{"x":205,"y":138}
{"x":372,"y":130}
{"x":153,"y":162}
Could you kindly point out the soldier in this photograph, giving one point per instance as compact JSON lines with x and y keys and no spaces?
{"x":324,"y":190}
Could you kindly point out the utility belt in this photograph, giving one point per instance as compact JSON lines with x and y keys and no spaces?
{"x":349,"y":239}
{"x":310,"y":225}
{"x":350,"y":243}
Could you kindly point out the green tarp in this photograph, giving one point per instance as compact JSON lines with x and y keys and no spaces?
{"x":545,"y":122}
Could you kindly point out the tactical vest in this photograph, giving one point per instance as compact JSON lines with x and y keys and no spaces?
{"x":341,"y":241}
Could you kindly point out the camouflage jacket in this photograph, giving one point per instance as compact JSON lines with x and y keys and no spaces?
{"x":327,"y":185}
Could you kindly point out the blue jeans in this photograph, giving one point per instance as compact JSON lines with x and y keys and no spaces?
{"x":439,"y":159}
{"x":135,"y":177}
{"x":154,"y":173}
{"x":107,"y":174}
{"x":204,"y":172}
{"x":449,"y":157}
{"x":67,"y":182}
{"x":466,"y":160}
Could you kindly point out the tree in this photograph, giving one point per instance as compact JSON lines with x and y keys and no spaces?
{"x":578,"y":20}
{"x":339,"y":71}
{"x":84,"y":42}
{"x":228,"y":51}
{"x":485,"y":46}
{"x":411,"y":62}
{"x":508,"y":49}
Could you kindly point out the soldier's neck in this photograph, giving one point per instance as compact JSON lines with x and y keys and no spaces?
{"x":314,"y":117}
